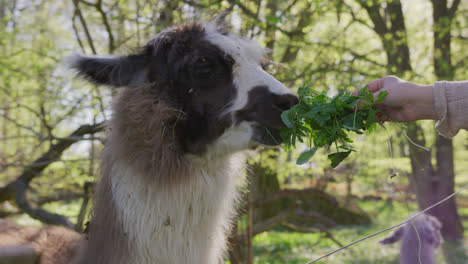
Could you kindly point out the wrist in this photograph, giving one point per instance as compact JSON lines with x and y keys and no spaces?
{"x":424,"y":102}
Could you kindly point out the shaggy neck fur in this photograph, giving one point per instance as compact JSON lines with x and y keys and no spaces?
{"x":154,"y":205}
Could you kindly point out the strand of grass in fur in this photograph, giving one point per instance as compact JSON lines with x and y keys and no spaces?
{"x":392,"y":227}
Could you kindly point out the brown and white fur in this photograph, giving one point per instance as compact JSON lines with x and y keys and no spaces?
{"x":192,"y":99}
{"x":417,"y":247}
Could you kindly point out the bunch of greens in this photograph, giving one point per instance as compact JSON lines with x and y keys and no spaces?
{"x":325,"y":121}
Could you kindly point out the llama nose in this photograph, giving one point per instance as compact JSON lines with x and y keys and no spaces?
{"x":285,"y":101}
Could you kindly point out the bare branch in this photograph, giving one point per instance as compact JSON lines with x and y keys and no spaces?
{"x":72,"y":110}
{"x":67,"y":196}
{"x":316,"y":228}
{"x":267,"y":224}
{"x":39,"y":135}
{"x":314,"y":215}
{"x":37,"y":213}
{"x":39,"y":165}
{"x":105,"y":21}
{"x":85,"y":26}
{"x":252,"y":14}
{"x":75,"y":30}
{"x":356,"y":19}
{"x":373,"y":11}
{"x":453,"y":8}
{"x":294,"y":193}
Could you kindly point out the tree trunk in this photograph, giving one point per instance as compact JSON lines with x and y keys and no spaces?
{"x":452,"y":228}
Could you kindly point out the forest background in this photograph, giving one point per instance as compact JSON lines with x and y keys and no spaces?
{"x":51,"y":129}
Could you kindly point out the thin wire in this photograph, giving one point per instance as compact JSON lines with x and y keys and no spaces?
{"x":414,"y":143}
{"x":392,"y":227}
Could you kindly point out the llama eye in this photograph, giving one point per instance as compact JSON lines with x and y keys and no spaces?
{"x":202,"y":68}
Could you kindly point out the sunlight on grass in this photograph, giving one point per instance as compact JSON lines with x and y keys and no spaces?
{"x":281,"y":246}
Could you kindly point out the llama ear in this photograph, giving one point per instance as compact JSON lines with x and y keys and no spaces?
{"x":113,"y":71}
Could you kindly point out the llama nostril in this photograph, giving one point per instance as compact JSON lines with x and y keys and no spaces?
{"x":284,"y":102}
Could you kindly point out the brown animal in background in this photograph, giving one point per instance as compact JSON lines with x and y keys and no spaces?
{"x":50,"y":245}
{"x":428,"y":228}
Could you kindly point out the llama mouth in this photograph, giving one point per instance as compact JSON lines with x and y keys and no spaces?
{"x":267,"y":136}
{"x":264,"y":110}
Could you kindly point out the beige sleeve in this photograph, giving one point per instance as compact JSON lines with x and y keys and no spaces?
{"x":451,"y":106}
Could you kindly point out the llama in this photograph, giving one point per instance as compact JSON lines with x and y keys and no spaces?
{"x":429,"y":239}
{"x":194,"y":97}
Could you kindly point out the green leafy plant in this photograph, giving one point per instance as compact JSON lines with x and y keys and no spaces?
{"x":325,"y":121}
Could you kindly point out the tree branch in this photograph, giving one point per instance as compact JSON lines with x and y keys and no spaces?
{"x":374,"y":13}
{"x":111,"y":44}
{"x":55,"y":151}
{"x":293,"y":193}
{"x":67,"y":196}
{"x":39,"y":135}
{"x":85,"y":26}
{"x":75,"y":30}
{"x":267,"y":224}
{"x":316,"y":216}
{"x":318,"y":228}
{"x":21,"y":187}
{"x":453,"y":8}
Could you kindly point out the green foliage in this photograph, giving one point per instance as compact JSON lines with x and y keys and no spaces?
{"x":326,"y":121}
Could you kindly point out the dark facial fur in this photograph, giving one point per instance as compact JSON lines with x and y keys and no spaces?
{"x":194,"y":77}
{"x":192,"y":73}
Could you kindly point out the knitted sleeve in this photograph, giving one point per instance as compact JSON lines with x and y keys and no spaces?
{"x":451,"y":106}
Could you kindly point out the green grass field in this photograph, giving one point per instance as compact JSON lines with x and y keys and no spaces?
{"x":281,"y":246}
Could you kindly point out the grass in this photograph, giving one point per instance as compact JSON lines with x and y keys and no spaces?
{"x":281,"y":246}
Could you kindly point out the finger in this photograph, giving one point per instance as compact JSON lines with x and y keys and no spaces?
{"x":372,"y":87}
{"x":375,"y":85}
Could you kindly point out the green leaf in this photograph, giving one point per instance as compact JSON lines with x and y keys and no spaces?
{"x":337,"y":158}
{"x":363,"y":91}
{"x":327,"y":121}
{"x":346,"y":148}
{"x":381,"y":97}
{"x":357,"y":130}
{"x":371,"y":117}
{"x":285,"y":119}
{"x":306,"y":155}
{"x":370,"y":97}
{"x":271,"y":19}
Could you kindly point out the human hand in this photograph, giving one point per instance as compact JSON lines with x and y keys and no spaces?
{"x":405,"y":101}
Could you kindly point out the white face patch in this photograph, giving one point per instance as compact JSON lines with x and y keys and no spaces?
{"x":247,"y":71}
{"x":247,"y":74}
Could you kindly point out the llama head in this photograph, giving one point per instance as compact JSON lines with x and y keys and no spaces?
{"x":212,"y":78}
